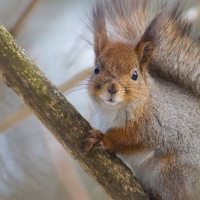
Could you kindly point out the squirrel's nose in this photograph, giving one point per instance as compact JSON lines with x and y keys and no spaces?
{"x":113,"y":88}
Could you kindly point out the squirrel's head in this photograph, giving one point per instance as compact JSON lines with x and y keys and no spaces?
{"x":120,"y":70}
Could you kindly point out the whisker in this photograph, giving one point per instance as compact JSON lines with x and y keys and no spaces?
{"x":83,"y":95}
{"x":75,"y":90}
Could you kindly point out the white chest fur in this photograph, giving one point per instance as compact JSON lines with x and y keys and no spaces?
{"x":103,"y":118}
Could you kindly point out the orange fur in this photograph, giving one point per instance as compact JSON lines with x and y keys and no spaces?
{"x":125,"y":140}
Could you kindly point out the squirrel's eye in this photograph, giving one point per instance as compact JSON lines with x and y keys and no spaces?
{"x":96,"y":70}
{"x":134,"y":76}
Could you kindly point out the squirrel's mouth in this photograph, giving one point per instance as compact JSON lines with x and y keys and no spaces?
{"x":111,"y":100}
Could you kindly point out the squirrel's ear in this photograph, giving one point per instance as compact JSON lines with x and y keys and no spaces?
{"x":144,"y":51}
{"x":99,"y":29}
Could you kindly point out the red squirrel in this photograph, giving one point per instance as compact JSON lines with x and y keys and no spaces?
{"x":150,"y":121}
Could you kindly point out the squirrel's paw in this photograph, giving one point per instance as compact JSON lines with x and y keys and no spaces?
{"x":94,"y":139}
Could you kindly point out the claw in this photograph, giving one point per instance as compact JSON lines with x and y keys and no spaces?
{"x":99,"y":145}
{"x":87,"y":146}
{"x":94,"y":139}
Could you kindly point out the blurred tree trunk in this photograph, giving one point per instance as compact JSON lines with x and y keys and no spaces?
{"x":62,"y":119}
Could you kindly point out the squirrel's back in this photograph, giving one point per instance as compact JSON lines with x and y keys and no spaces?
{"x":174,"y":123}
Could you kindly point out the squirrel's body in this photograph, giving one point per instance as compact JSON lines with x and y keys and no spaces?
{"x":170,"y":164}
{"x":150,"y":121}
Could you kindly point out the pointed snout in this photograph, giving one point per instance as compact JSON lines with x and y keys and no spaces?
{"x":113,"y":88}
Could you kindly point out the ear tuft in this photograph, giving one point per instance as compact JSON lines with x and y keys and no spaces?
{"x":99,"y":28}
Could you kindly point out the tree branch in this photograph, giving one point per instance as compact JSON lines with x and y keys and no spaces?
{"x":23,"y":111}
{"x":62,"y":119}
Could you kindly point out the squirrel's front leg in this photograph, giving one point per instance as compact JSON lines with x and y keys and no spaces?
{"x":115,"y":140}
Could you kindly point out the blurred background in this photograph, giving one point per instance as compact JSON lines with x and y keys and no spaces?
{"x":33,"y":165}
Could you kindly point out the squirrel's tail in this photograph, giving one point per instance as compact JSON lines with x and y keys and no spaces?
{"x":177,"y":55}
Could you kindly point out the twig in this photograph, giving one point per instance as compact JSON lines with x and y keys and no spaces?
{"x":23,"y":17}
